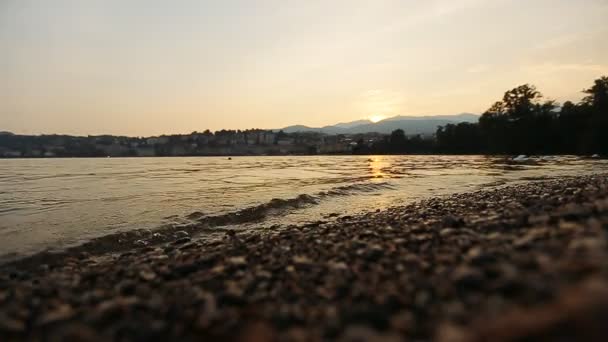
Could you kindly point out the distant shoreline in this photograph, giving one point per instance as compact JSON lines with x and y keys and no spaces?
{"x":311,"y":155}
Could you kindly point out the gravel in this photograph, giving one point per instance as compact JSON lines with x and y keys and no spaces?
{"x":523,"y":262}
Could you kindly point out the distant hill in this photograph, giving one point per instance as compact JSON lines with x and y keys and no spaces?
{"x":462,"y":117}
{"x":299,"y":128}
{"x":352,"y":124}
{"x":410,"y":124}
{"x":6,"y":133}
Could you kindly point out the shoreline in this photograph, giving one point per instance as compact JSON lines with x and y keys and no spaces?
{"x":202,"y":227}
{"x":454,"y":267}
{"x":507,"y":157}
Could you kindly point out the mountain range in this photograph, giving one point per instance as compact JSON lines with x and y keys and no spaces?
{"x":410,"y":124}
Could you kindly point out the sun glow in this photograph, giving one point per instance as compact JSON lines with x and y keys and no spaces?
{"x":376,"y":118}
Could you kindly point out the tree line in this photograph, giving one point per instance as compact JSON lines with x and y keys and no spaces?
{"x":523,"y":122}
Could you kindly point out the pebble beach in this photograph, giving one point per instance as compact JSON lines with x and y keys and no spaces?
{"x":518,"y":262}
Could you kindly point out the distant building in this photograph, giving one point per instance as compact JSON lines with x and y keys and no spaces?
{"x":335,"y":147}
{"x":205,"y":139}
{"x":114,"y":150}
{"x":253,"y":138}
{"x":7,"y":153}
{"x":157,"y":140}
{"x":34,"y":153}
{"x":178,"y":150}
{"x":222,"y":140}
{"x":268,"y":138}
{"x":285,"y":141}
{"x":239,"y":139}
{"x":145,"y":151}
{"x":13,"y":154}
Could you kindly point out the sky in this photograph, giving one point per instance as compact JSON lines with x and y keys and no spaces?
{"x":150,"y":67}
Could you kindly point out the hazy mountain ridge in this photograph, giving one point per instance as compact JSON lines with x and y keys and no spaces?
{"x":352,"y":124}
{"x":410,"y":124}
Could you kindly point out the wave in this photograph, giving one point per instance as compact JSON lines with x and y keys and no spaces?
{"x":279,"y":206}
{"x":354,"y":189}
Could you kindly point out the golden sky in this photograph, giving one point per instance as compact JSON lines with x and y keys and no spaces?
{"x":151,"y":67}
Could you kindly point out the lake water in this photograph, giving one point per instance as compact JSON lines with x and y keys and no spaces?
{"x":54,"y":203}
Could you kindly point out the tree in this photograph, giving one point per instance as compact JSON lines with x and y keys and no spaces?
{"x":520,"y":102}
{"x":597,"y":95}
{"x":397,"y":141}
{"x":595,"y":105}
{"x":520,"y":123}
{"x":462,"y":138}
{"x":398,"y":136}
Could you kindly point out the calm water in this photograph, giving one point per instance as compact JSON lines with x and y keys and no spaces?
{"x":53,"y":203}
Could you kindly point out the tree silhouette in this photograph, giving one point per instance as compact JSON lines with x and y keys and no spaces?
{"x":597,"y":95}
{"x":523,"y":123}
{"x":595,"y":105}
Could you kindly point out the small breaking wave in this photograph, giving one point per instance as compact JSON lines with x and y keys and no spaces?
{"x":280,"y":206}
{"x":354,"y":189}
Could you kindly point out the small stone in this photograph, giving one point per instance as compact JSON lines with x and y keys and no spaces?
{"x":147,"y":275}
{"x":572,"y":211}
{"x":374,"y":252}
{"x":601,"y":204}
{"x":569,"y":226}
{"x":11,"y":325}
{"x":111,"y":308}
{"x":402,"y":321}
{"x":188,"y":245}
{"x":238,"y":260}
{"x":233,"y":294}
{"x":452,"y":221}
{"x":263,"y":274}
{"x":197,"y":215}
{"x":587,"y":245}
{"x":447,"y":232}
{"x":61,"y":313}
{"x":356,"y":333}
{"x":451,"y":332}
{"x":539,"y":219}
{"x":337,"y":266}
{"x":301,"y":260}
{"x":467,"y":277}
{"x":181,"y":241}
{"x":181,"y":233}
{"x":126,"y":287}
{"x":477,"y":256}
{"x":140,"y":243}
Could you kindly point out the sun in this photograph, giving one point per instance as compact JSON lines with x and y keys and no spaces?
{"x":375,"y":118}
